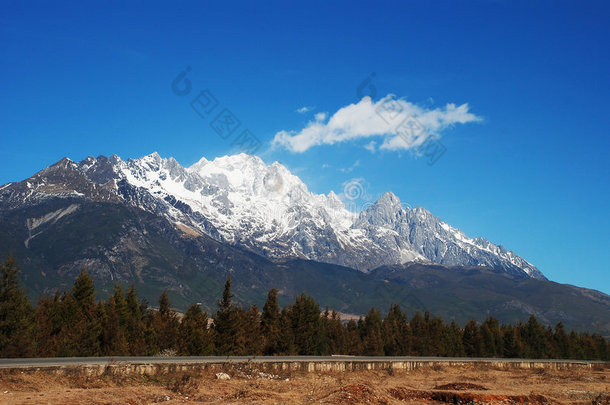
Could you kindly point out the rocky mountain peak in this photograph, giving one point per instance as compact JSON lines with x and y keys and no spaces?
{"x":242,"y":201}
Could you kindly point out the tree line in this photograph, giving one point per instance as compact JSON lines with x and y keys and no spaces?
{"x":73,"y":323}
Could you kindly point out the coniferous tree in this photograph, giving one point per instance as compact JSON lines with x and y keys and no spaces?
{"x":601,"y":347}
{"x":81,"y":327}
{"x":120,"y":305}
{"x":16,"y":314}
{"x":354,"y":341}
{"x":472,"y":340}
{"x":135,"y":328}
{"x":72,"y":327}
{"x":337,"y":334}
{"x":419,"y":334}
{"x":406,"y":338}
{"x":287,"y":345}
{"x":394,"y":329}
{"x":492,"y":338}
{"x":83,"y":290}
{"x":307,"y":326}
{"x":165,"y":324}
{"x":561,"y":342}
{"x":453,"y":346}
{"x":270,"y":324}
{"x":46,"y":329}
{"x":195,"y":337}
{"x":511,"y":343}
{"x":228,"y":324}
{"x":149,"y":333}
{"x":372,"y":341}
{"x":588,"y":345}
{"x":112,"y":339}
{"x":252,"y":331}
{"x":435,"y":332}
{"x":576,"y":348}
{"x":533,"y":335}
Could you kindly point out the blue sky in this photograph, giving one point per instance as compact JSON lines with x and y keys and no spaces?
{"x":526,"y":169}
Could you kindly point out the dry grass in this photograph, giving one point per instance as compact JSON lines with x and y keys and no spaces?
{"x":248,"y":385}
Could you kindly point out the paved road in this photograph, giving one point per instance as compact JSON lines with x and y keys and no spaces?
{"x":84,"y":361}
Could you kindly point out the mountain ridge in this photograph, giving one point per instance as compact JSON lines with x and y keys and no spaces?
{"x":242,"y":201}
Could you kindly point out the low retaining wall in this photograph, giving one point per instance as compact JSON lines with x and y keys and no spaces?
{"x":309,"y":366}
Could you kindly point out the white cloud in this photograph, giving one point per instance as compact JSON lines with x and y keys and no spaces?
{"x":371,"y":146}
{"x":321,"y":116}
{"x":397,"y":123}
{"x":304,"y":109}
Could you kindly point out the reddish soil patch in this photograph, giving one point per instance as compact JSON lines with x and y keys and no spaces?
{"x":460,"y":386}
{"x":355,"y":394}
{"x":464,"y":397}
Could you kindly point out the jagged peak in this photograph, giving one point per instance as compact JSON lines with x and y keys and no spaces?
{"x":389,"y":198}
{"x":198,"y":165}
{"x":153,"y":156}
{"x":64,"y":159}
{"x":113,"y":158}
{"x":421,"y":211}
{"x":63,"y":163}
{"x":388,"y":203}
{"x":333,"y":196}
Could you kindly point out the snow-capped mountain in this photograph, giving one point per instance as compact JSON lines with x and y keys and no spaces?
{"x":241,"y":201}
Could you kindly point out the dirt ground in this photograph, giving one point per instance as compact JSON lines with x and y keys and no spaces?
{"x":459,"y":385}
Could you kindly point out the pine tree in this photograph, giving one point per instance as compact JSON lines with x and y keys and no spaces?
{"x":511,"y":342}
{"x":561,"y":342}
{"x":534,"y":337}
{"x":270,"y":324}
{"x":576,"y":349}
{"x":435,"y":331}
{"x":112,"y":340}
{"x":394,"y":328}
{"x":453,"y":345}
{"x":195,"y":338}
{"x":307,"y":326}
{"x":492,"y":337}
{"x":149,"y":335}
{"x":472,"y":340}
{"x":419,"y":335}
{"x":372,"y":342}
{"x":228,"y":324}
{"x":16,"y":314}
{"x":120,"y":304}
{"x":601,"y":347}
{"x":286,"y":343}
{"x":165,"y":323}
{"x":135,"y":328}
{"x":336,"y":334}
{"x":252,"y":331}
{"x":79,"y":319}
{"x":79,"y":328}
{"x":83,"y":290}
{"x":354,"y":340}
{"x":46,"y":328}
